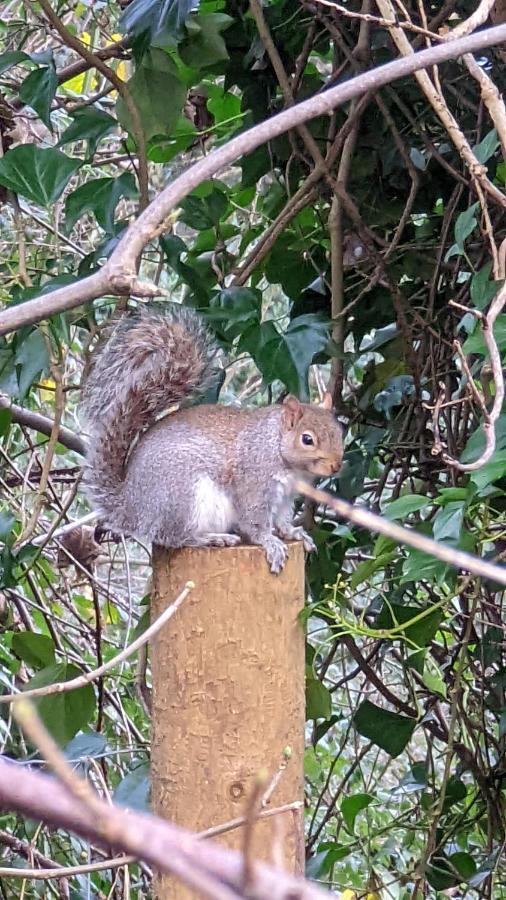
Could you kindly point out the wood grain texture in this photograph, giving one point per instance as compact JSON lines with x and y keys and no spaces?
{"x":228,"y":695}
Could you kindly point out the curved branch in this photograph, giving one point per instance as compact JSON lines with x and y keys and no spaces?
{"x":118,"y":276}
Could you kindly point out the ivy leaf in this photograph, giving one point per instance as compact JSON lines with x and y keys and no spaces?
{"x":7,"y":520}
{"x":390,"y":731}
{"x":38,"y":91}
{"x":287,"y":356}
{"x":318,"y":698}
{"x":475,"y":343}
{"x":492,"y":471}
{"x":420,"y":633}
{"x":31,"y":360}
{"x":465,"y":225}
{"x":158,"y":17}
{"x":419,"y":566}
{"x":100,"y":197}
{"x":447,"y":523}
{"x":158,"y":93}
{"x":204,"y":45}
{"x":351,"y":806}
{"x":89,"y":745}
{"x":63,"y":714}
{"x":133,"y":791}
{"x":35,"y":649}
{"x":39,"y":175}
{"x":174,"y":247}
{"x":89,"y":124}
{"x":236,"y":309}
{"x":13,"y":58}
{"x":483,"y":288}
{"x":403,"y":506}
{"x":204,"y":212}
{"x":487,"y":147}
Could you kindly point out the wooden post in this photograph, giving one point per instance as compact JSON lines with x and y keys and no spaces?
{"x":228,"y":696}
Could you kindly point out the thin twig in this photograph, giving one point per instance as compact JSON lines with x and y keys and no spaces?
{"x":366,"y":519}
{"x":61,"y":687}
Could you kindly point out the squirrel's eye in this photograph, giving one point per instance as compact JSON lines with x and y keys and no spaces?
{"x":307,"y":439}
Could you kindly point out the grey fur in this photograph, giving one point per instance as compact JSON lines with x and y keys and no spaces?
{"x":201,"y":476}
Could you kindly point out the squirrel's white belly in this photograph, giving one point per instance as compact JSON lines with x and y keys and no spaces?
{"x":214,"y":511}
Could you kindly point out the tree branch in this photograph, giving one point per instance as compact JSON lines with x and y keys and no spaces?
{"x":366,"y":519}
{"x":118,"y":276}
{"x":43,"y":425}
{"x":163,"y":845}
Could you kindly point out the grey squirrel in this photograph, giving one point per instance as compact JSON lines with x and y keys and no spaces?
{"x":207,"y":475}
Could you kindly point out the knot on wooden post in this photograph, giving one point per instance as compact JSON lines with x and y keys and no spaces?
{"x":228,"y":696}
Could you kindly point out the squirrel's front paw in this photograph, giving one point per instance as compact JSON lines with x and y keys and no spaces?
{"x":276,"y":553}
{"x":297,"y":533}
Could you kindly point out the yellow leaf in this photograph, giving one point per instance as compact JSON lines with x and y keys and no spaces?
{"x":76,"y":84}
{"x":48,"y":395}
{"x":348,"y":895}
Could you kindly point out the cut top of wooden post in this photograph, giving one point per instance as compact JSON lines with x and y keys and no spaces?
{"x":228,"y":695}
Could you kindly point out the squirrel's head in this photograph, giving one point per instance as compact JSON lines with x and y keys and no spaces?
{"x":311,"y":437}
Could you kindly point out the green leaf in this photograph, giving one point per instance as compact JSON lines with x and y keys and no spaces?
{"x":419,"y":566}
{"x":483,"y":288}
{"x":5,"y":421}
{"x":133,"y":791}
{"x":390,"y":731}
{"x":403,"y":506}
{"x":318,"y":699}
{"x":158,"y":93}
{"x":328,"y":854}
{"x":32,"y":360}
{"x":204,"y":212}
{"x":351,"y":806}
{"x":287,"y":356}
{"x":447,"y":523}
{"x":100,"y":197}
{"x":491,"y":471}
{"x":164,"y":149}
{"x":7,"y":520}
{"x":368,"y":567}
{"x":35,"y":649}
{"x":63,"y":714}
{"x":204,"y":45}
{"x":89,"y":745}
{"x":420,"y":632}
{"x":475,"y":342}
{"x":13,"y":58}
{"x":414,"y":780}
{"x":487,"y":147}
{"x":89,"y":124}
{"x":38,"y":175}
{"x":38,"y":91}
{"x":158,"y":17}
{"x":476,"y":443}
{"x":456,"y":792}
{"x":235,"y":309}
{"x":465,"y":224}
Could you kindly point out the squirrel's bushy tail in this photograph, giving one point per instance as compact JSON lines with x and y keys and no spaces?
{"x":155,"y":357}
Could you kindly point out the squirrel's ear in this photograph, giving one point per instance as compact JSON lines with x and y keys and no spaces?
{"x":327,"y":401}
{"x":292,"y":412}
